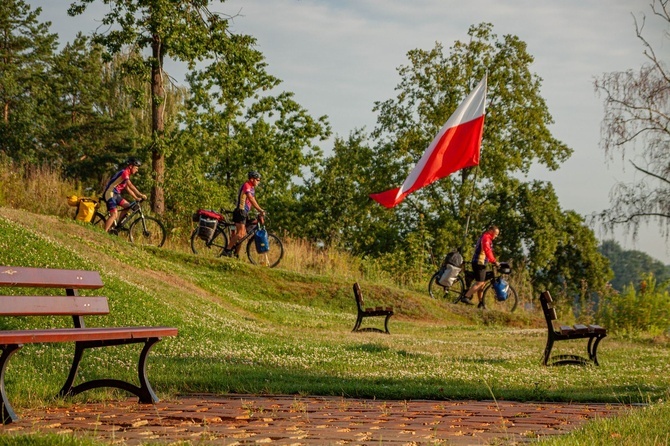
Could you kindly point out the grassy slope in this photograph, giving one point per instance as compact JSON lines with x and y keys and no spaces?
{"x":245,"y":329}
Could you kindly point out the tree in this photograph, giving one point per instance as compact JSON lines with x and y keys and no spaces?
{"x":26,"y":49}
{"x":630,"y":266}
{"x":235,"y":121}
{"x":87,"y":135}
{"x":433,"y":220}
{"x":185,"y":30}
{"x":637,"y":120}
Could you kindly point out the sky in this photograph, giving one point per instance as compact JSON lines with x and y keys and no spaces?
{"x":340,"y":56}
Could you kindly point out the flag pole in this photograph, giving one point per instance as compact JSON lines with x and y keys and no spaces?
{"x":472,"y":198}
{"x":474,"y":183}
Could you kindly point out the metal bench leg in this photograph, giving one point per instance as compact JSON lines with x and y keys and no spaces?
{"x":547,"y":351}
{"x":66,"y":390}
{"x":144,"y":392}
{"x":8,"y":414}
{"x":357,"y":325}
{"x":386,"y":323}
{"x":593,"y":349}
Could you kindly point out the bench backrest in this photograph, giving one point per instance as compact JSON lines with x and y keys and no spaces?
{"x":49,"y":278}
{"x":358,"y":294}
{"x":549,"y":311}
{"x":71,"y":304}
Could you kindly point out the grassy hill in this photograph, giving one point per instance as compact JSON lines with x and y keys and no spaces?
{"x":245,"y":329}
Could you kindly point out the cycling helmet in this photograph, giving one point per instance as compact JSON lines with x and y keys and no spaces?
{"x":134,"y":162}
{"x":254,"y":174}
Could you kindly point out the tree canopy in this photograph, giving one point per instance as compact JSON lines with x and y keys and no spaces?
{"x":637,"y":125}
{"x":433,"y":220}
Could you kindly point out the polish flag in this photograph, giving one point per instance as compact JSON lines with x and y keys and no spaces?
{"x":455,"y":147}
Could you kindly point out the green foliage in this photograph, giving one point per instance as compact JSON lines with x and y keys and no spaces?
{"x":639,"y":426}
{"x":47,"y":440}
{"x":554,"y":247}
{"x":634,"y":312}
{"x":26,"y":52}
{"x":234,"y":123}
{"x":629,"y":265}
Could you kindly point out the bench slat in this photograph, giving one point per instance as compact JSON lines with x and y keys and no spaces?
{"x":52,"y":305}
{"x":8,"y":337}
{"x":49,"y":278}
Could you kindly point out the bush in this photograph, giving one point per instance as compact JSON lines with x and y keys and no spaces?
{"x":633,"y":312}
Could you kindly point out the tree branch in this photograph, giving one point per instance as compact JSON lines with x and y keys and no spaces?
{"x":650,"y":173}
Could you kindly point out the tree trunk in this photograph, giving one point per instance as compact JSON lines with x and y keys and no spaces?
{"x":157,"y":126}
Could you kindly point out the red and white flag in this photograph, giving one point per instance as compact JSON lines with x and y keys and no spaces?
{"x":455,"y":147}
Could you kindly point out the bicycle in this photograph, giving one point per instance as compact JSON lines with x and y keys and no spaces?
{"x":456,"y":291}
{"x":213,"y":240}
{"x":142,"y":229}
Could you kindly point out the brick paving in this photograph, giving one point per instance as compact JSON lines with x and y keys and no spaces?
{"x":296,"y":420}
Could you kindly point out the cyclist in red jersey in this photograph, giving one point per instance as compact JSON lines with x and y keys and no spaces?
{"x":112,"y":193}
{"x":482,"y":256}
{"x":246,"y":199}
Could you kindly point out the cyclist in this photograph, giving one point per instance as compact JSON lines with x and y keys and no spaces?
{"x":112,"y":193}
{"x":482,"y":256}
{"x":246,"y":199}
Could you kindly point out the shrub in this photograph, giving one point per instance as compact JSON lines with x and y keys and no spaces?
{"x":633,"y":312}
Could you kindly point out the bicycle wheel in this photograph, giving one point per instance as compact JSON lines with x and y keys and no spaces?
{"x":271,"y":257}
{"x":491,"y":302}
{"x":212,"y":249}
{"x":453,"y":293}
{"x":98,"y":220}
{"x":147,"y":231}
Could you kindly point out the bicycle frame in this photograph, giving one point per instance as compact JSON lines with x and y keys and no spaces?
{"x":251,"y":231}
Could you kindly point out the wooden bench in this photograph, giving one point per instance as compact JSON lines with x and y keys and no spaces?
{"x":70,"y":304}
{"x":594,"y":333}
{"x":370,"y":312}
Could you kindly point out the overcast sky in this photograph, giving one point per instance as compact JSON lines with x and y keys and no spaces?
{"x":340,"y":56}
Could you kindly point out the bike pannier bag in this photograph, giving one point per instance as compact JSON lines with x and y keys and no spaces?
{"x":72,"y":200}
{"x":86,"y":209}
{"x":454,"y":258}
{"x":501,"y":288}
{"x":206,"y":228}
{"x":262,"y":241}
{"x":449,"y":275}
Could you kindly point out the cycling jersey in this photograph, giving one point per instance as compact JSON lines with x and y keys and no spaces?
{"x":117,"y":183}
{"x":484,"y":250}
{"x":243,"y":202}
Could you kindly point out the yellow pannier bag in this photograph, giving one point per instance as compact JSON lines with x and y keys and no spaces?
{"x":73,"y":200}
{"x":86,"y":209}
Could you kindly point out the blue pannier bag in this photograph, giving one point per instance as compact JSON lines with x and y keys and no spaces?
{"x":501,"y":288}
{"x":262,"y":241}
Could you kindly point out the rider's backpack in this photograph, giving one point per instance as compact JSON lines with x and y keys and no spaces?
{"x":262,"y":241}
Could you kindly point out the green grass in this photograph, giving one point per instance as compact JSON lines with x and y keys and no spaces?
{"x":245,"y":329}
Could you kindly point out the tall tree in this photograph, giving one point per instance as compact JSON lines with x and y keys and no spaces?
{"x":433,"y":220}
{"x":637,"y":120}
{"x":184,"y":30}
{"x":26,"y":49}
{"x":630,"y":266}
{"x":516,"y":133}
{"x":236,"y":121}
{"x":87,"y":133}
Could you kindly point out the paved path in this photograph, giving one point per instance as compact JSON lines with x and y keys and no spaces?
{"x":296,"y":420}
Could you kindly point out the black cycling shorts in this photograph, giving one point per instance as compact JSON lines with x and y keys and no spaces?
{"x":239,"y":216}
{"x":480,"y":272}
